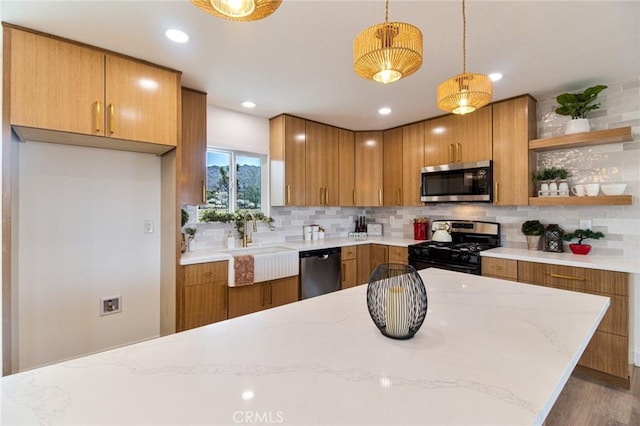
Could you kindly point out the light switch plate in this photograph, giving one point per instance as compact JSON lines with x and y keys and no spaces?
{"x":585,"y":224}
{"x":374,"y":229}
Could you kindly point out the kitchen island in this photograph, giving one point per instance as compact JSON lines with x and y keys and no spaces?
{"x":489,"y":352}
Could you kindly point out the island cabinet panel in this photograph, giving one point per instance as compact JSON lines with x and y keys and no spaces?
{"x":205,"y":294}
{"x":108,"y":95}
{"x":412,"y":163}
{"x":349,"y":266}
{"x":287,"y":150}
{"x":514,"y":123}
{"x":193,"y":147}
{"x":392,"y":167}
{"x":398,"y":254}
{"x":369,"y":181}
{"x":346,"y":166}
{"x":499,"y":268}
{"x":322,"y":167}
{"x":257,"y":297}
{"x":608,"y":351}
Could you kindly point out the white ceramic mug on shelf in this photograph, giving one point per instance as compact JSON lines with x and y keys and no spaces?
{"x":578,"y":190}
{"x":592,"y":189}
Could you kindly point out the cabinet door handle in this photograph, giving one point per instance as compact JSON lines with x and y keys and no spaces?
{"x":326,"y":196}
{"x":353,"y":195}
{"x":400,"y":196}
{"x":264,"y":293}
{"x":567,"y":277}
{"x":343,"y":274}
{"x":380,"y":197}
{"x":204,"y":193}
{"x":321,"y":196}
{"x":288,"y":194}
{"x":451,"y":159}
{"x":112,"y":113}
{"x":224,"y":298}
{"x":97,"y":111}
{"x":458,"y":150}
{"x":270,"y":294}
{"x":496,"y":193}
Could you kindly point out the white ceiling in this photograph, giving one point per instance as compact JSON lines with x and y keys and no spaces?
{"x":299,"y":60}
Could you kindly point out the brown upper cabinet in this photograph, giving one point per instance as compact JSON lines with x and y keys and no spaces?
{"x":392,"y":167}
{"x":368,"y":159}
{"x":458,"y":138}
{"x":193,"y":170}
{"x":287,"y":148}
{"x":514,"y":123}
{"x":412,"y":162}
{"x":57,"y":85}
{"x":346,"y":165}
{"x":322,"y":169}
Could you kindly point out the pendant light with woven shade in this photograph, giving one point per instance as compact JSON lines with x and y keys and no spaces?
{"x":238,"y":10}
{"x":465,"y":92}
{"x":387,"y":52}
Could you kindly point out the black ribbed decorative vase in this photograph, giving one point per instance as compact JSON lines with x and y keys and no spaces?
{"x":397,"y":300}
{"x":553,"y":238}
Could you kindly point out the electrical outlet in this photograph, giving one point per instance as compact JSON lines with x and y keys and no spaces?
{"x":110,"y":305}
{"x":585,"y":224}
{"x":148,"y":226}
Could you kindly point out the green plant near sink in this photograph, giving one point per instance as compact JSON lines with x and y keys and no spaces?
{"x":237,"y":218}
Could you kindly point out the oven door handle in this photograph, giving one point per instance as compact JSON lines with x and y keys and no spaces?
{"x":413,"y":261}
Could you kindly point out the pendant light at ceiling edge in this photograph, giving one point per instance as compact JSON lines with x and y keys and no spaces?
{"x":465,"y":92}
{"x":238,"y":10}
{"x":387,"y":52}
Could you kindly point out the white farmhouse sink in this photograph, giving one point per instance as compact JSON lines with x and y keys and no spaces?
{"x":269,"y":263}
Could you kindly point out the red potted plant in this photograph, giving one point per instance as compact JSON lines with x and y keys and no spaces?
{"x":581,"y":235}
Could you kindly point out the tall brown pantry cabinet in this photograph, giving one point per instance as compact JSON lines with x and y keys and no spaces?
{"x":287,"y":162}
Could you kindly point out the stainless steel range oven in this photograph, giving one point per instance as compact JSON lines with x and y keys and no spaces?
{"x":462,"y":253}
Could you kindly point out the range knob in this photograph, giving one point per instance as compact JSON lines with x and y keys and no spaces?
{"x":455,"y":256}
{"x":465,"y":257}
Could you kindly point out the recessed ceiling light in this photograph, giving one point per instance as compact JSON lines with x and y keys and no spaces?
{"x":384,"y":111}
{"x":249,"y":104}
{"x":495,"y":76}
{"x":177,"y":36}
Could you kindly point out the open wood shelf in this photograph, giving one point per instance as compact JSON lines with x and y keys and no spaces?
{"x":576,"y":140}
{"x":603,"y":200}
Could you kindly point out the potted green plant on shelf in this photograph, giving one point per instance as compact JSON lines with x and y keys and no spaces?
{"x":191,"y":233}
{"x":578,"y":106}
{"x":533,"y":230}
{"x":581,"y":235}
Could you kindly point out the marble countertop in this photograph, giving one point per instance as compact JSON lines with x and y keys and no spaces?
{"x":592,"y":261}
{"x":490,"y":352}
{"x":216,"y":254}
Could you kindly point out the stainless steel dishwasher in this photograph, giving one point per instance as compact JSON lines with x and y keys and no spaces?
{"x":320,"y":272}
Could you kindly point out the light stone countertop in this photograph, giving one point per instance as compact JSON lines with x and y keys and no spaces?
{"x":592,"y":261}
{"x":216,"y":254}
{"x":490,"y":352}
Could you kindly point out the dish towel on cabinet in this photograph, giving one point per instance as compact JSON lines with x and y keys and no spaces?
{"x":243,"y":266}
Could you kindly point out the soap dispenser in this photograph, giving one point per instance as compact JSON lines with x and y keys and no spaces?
{"x":231,"y":242}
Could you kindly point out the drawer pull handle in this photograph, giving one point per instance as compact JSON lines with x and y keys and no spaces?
{"x":97,"y":116}
{"x":567,"y":277}
{"x":498,"y":267}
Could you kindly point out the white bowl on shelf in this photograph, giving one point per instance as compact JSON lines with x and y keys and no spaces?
{"x":613,"y":188}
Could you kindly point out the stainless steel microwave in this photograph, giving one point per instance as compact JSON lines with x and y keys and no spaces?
{"x":457,"y":182}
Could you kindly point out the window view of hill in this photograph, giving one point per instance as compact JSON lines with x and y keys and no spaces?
{"x":248,"y":187}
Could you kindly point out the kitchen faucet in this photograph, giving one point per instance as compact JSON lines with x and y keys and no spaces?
{"x":245,"y":239}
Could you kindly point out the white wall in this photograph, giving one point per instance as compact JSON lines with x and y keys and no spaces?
{"x":81,"y":239}
{"x":237,"y":131}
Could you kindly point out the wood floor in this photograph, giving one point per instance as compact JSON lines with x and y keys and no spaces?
{"x":586,"y":402}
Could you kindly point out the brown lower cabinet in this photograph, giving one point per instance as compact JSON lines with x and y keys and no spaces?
{"x":260,"y":296}
{"x":607,"y":354}
{"x":204,"y":294}
{"x":349,"y":266}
